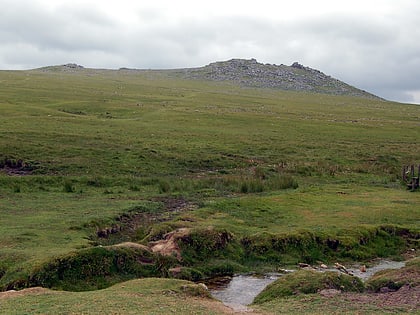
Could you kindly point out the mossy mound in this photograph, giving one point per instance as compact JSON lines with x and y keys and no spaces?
{"x":98,"y":268}
{"x":394,"y":279}
{"x":307,"y":282}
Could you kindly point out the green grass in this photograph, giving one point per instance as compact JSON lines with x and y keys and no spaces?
{"x":145,"y":296}
{"x":328,"y":207}
{"x":298,"y":293}
{"x":144,"y":127}
{"x":307,"y":282}
{"x":261,"y":164}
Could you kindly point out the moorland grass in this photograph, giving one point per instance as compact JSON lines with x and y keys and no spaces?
{"x":253,"y":161}
{"x":144,"y":296}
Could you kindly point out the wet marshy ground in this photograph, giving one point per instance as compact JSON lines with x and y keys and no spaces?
{"x":240,"y":290}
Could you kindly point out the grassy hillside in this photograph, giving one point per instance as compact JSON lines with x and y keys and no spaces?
{"x":146,"y":296}
{"x":281,"y":173}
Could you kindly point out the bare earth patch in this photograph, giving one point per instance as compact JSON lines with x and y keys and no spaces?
{"x":29,"y":291}
{"x":169,"y":244}
{"x":406,"y":298}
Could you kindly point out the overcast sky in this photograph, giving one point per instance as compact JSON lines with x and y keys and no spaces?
{"x":373,"y":45}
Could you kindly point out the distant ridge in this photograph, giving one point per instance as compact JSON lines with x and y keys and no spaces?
{"x":296,"y":77}
{"x":250,"y":73}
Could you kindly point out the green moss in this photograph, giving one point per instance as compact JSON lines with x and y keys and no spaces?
{"x":98,"y":267}
{"x":306,"y":282}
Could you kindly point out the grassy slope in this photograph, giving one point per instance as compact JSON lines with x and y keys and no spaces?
{"x":113,"y":135}
{"x":145,"y":296}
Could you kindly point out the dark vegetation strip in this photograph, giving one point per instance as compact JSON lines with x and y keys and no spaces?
{"x":211,"y":252}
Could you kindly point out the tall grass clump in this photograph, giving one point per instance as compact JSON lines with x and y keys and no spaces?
{"x":68,"y":187}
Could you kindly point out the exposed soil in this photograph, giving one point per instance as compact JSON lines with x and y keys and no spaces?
{"x":16,"y":171}
{"x":406,"y":298}
{"x":168,"y":246}
{"x":220,"y":308}
{"x":128,"y":224}
{"x":15,"y":167}
{"x":29,"y":291}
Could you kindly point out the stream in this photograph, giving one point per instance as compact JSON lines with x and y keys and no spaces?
{"x":240,"y":290}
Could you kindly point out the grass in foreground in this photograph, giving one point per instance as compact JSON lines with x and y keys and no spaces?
{"x":145,"y":296}
{"x":285,"y":295}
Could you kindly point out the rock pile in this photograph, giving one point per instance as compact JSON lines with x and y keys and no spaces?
{"x":296,"y":77}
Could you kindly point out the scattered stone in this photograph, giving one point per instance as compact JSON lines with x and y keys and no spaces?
{"x":251,"y":73}
{"x":323,"y":266}
{"x":303,"y":265}
{"x":203,"y":286}
{"x":362,"y":268}
{"x":341,"y":268}
{"x":105,"y":232}
{"x":73,"y":66}
{"x":297,"y":65}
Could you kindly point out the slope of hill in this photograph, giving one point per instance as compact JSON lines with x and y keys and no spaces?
{"x":251,"y":73}
{"x":296,"y":77}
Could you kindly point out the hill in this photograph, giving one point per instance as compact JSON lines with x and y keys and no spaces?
{"x":296,"y":77}
{"x":251,"y":73}
{"x":102,"y":172}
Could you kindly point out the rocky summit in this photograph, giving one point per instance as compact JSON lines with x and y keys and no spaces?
{"x":251,"y":73}
{"x":248,"y":73}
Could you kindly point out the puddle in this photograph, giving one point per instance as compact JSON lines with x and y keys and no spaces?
{"x":240,"y":290}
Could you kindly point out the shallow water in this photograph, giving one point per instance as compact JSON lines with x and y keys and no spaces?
{"x":381,"y":265}
{"x":240,"y":290}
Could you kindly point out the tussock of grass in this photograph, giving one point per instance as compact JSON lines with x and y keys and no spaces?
{"x":307,"y":282}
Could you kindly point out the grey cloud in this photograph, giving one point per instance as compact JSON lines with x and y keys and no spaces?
{"x":378,"y":54}
{"x":62,"y":29}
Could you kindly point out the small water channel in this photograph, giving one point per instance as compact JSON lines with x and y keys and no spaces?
{"x":240,"y":290}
